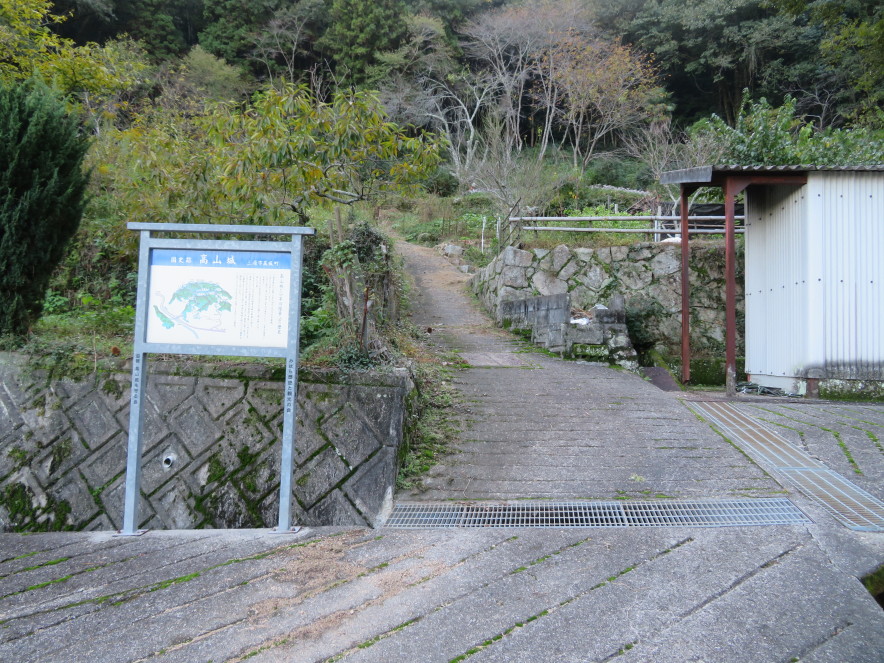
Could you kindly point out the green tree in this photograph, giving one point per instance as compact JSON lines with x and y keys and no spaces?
{"x":42,"y":189}
{"x":358,"y":31}
{"x":711,"y":50}
{"x":852,"y":40}
{"x":152,"y":23}
{"x":264,"y":163}
{"x":94,"y":78}
{"x":764,"y":135}
{"x":26,"y":42}
{"x":290,"y":151}
{"x":231,"y":26}
{"x":99,"y":81}
{"x":452,"y":12}
{"x":211,"y":77}
{"x":166,"y":28}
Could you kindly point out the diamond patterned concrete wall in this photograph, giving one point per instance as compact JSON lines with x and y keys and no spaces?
{"x":211,"y":448}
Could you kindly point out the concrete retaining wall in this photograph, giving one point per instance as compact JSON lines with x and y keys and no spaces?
{"x":211,"y":447}
{"x":599,"y":336}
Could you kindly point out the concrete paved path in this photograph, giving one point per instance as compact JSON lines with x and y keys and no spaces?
{"x":541,"y":427}
{"x":652,"y":594}
{"x":656,"y":595}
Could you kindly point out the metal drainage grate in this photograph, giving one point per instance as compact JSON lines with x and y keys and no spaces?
{"x":850,"y":504}
{"x":775,"y":511}
{"x":854,"y":507}
{"x":768,"y":446}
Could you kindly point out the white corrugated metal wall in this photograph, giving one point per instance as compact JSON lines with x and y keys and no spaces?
{"x":815,"y":279}
{"x":852,"y":208}
{"x":776,"y":281}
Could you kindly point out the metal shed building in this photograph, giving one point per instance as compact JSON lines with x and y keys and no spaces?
{"x":814,"y":252}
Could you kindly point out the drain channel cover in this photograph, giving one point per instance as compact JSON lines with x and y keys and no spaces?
{"x":724,"y":513}
{"x":850,"y":504}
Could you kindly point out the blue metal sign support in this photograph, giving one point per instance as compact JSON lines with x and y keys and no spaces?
{"x":247,"y":304}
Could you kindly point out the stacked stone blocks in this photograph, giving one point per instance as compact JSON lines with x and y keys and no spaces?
{"x":646,"y":275}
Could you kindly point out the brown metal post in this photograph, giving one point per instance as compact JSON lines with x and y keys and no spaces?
{"x":685,"y":290}
{"x":730,"y":191}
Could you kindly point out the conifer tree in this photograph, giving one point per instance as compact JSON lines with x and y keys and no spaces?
{"x":42,"y":195}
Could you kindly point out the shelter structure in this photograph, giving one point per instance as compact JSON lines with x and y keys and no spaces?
{"x":814,"y":268}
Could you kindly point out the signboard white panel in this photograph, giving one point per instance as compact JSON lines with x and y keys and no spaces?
{"x":225,"y":297}
{"x":219,"y":297}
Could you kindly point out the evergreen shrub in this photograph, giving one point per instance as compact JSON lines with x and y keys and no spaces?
{"x":42,"y":195}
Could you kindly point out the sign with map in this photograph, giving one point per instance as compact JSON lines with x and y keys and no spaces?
{"x":226,"y":297}
{"x":219,"y":297}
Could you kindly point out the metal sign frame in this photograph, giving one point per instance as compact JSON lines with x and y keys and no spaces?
{"x":142,"y":347}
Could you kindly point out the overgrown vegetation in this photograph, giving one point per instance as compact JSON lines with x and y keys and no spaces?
{"x":357,"y":286}
{"x":764,"y":135}
{"x":211,"y":112}
{"x":435,"y":421}
{"x":445,"y":117}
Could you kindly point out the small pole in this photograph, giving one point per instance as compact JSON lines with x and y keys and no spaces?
{"x":286,"y":461}
{"x":290,"y":396}
{"x":133,"y":458}
{"x":137,"y":396}
{"x":658,"y":223}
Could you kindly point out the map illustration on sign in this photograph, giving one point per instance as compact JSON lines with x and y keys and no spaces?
{"x":197,"y":306}
{"x":236,"y":298}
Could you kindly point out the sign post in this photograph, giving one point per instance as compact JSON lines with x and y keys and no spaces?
{"x":216,"y":297}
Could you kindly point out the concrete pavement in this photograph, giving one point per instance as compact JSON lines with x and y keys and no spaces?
{"x":650,"y":594}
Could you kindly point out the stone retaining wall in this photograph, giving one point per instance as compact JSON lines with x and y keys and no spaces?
{"x":600,"y":335}
{"x":211,"y":447}
{"x":535,"y":312}
{"x":647,"y":275}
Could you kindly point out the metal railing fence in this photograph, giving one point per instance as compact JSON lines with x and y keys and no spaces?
{"x":660,"y":226}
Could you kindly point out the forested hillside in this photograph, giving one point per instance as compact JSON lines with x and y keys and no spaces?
{"x":658,"y":83}
{"x":275,"y":111}
{"x":827,"y":54}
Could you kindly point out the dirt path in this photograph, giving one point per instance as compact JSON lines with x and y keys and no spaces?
{"x":442,"y":304}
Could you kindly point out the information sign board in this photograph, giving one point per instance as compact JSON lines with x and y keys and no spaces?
{"x":203,"y":297}
{"x":216,"y":297}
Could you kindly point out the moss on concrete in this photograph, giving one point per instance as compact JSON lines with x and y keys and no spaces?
{"x":61,"y":451}
{"x":705,"y":371}
{"x":852,"y":390}
{"x":26,"y":514}
{"x":590,"y":352}
{"x":874,"y":582}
